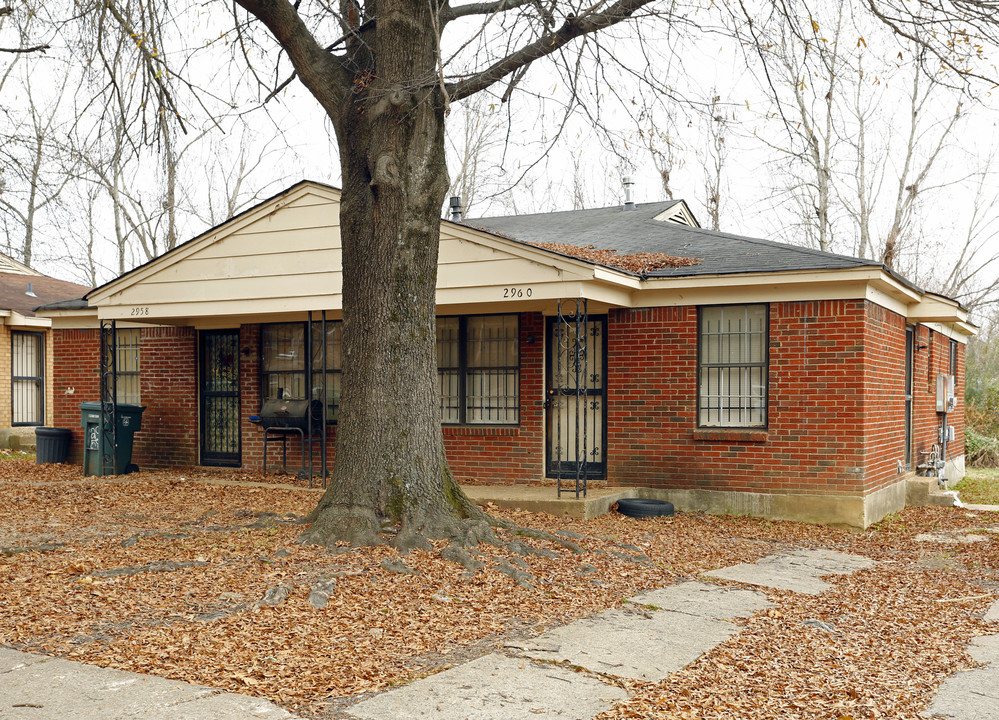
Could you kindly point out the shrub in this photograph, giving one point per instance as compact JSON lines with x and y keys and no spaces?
{"x":980,"y":450}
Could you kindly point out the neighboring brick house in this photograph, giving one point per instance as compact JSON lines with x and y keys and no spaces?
{"x":763,"y":378}
{"x":26,"y":347}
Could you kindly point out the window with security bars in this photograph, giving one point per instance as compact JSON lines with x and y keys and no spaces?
{"x":27,"y":378}
{"x":334,"y":366}
{"x":478,"y":366}
{"x":127,"y":365}
{"x":732,"y":366}
{"x":284,"y":359}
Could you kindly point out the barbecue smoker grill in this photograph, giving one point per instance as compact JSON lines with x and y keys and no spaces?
{"x":281,"y":418}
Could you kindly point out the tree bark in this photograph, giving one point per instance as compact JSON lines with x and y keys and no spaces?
{"x":390,"y":462}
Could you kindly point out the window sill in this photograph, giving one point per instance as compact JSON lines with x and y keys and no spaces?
{"x":496,"y":430}
{"x":731,"y":435}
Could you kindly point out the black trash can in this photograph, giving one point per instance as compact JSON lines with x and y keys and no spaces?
{"x":52,"y":444}
{"x":129,"y":423}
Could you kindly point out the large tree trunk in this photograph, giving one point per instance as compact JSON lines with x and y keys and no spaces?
{"x":390,"y":462}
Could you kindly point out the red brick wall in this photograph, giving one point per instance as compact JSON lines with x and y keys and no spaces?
{"x":76,"y":365}
{"x":813,"y":443}
{"x":884,"y":399}
{"x":168,"y":389}
{"x":835,"y":403}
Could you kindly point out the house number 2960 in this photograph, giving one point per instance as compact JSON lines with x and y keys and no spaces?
{"x":515,"y":292}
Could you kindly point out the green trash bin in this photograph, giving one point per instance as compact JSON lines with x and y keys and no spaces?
{"x":129,"y":423}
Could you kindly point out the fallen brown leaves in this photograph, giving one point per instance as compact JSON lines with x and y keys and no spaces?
{"x":893,"y":642}
{"x":640,"y":263}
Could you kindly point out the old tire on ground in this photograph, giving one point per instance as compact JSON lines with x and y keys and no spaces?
{"x":642,"y":508}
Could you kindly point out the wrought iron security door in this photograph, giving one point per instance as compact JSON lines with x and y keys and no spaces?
{"x":220,"y":437}
{"x":576,"y":397}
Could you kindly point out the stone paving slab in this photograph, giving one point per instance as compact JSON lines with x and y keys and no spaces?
{"x":629,"y":644}
{"x":494,"y":687}
{"x":13,"y":660}
{"x":992,"y":614}
{"x":971,"y":694}
{"x":42,"y":688}
{"x":798,"y":571}
{"x":704,"y":600}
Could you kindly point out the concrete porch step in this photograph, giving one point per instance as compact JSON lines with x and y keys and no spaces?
{"x":538,"y":498}
{"x":18,"y":438}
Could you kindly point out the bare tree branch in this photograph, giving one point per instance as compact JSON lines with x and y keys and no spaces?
{"x":574,"y":27}
{"x":35,"y":48}
{"x":311,"y":61}
{"x":449,"y":13}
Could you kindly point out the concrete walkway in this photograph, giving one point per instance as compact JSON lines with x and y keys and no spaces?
{"x":654,"y":635}
{"x":572,"y":672}
{"x":973,"y":694}
{"x":36,"y":687}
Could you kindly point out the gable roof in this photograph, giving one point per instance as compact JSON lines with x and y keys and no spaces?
{"x":281,"y":258}
{"x":207,"y":235}
{"x":638,"y":231}
{"x":14,"y":288}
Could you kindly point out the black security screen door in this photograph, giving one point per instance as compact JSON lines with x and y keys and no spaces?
{"x":220,"y":439}
{"x":576,"y":403}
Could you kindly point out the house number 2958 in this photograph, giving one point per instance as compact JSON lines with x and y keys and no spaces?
{"x":515,"y":292}
{"x":140,"y":311}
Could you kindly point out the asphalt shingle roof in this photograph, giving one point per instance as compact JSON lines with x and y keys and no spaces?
{"x":636,"y":231}
{"x":14,"y":288}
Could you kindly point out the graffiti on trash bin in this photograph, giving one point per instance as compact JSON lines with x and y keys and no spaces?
{"x":94,"y":437}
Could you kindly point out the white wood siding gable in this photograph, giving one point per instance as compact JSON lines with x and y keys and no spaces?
{"x":283,"y":258}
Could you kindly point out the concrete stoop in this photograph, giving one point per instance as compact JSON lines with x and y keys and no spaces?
{"x":18,"y":438}
{"x":925,"y":491}
{"x":544,"y":498}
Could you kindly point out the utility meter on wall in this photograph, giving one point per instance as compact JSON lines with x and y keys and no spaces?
{"x":946,"y":402}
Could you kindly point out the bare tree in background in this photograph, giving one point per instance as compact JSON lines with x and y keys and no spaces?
{"x":32,"y":160}
{"x":803,"y":62}
{"x":666,"y":155}
{"x":715,"y":155}
{"x":16,"y":24}
{"x":974,"y":276}
{"x":904,"y":168}
{"x":475,"y":140}
{"x":914,"y":176}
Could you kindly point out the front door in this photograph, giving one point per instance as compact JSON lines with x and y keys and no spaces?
{"x":220,"y":438}
{"x":576,"y":397}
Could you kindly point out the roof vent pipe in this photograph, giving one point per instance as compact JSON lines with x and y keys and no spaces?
{"x":30,"y":292}
{"x":629,"y":204}
{"x":456,"y":208}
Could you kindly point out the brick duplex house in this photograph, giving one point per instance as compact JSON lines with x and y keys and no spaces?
{"x":763,"y":378}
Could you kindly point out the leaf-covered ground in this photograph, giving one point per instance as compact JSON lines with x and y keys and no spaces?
{"x":162,"y":572}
